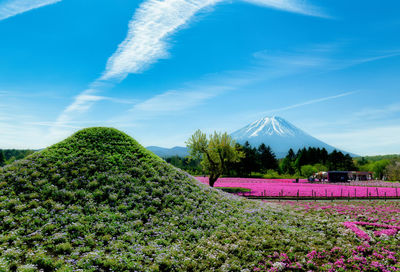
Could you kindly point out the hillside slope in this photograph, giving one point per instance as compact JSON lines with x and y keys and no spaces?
{"x":99,"y":201}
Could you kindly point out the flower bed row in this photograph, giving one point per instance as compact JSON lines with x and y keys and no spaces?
{"x":222,"y":181}
{"x":286,"y":188}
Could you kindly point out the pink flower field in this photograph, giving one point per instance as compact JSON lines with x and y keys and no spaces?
{"x":385,"y":218}
{"x":287,"y":188}
{"x":375,"y":227}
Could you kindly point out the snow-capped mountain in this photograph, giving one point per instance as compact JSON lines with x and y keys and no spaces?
{"x":279,"y":134}
{"x":275,"y":131}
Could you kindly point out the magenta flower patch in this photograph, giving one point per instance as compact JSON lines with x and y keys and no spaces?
{"x":288,"y":188}
{"x":388,"y":230}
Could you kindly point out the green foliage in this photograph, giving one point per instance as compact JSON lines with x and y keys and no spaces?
{"x":11,"y":155}
{"x":267,"y":158}
{"x":234,"y":189}
{"x":379,"y":168}
{"x":256,"y":160}
{"x":216,"y":153}
{"x":272,"y":174}
{"x":192,"y":166}
{"x":360,"y":160}
{"x":248,"y":164}
{"x":99,"y":201}
{"x":338,"y":161}
{"x":308,"y":170}
{"x":392,"y":171}
{"x":287,"y":166}
{"x":320,"y":167}
{"x":384,"y":167}
{"x":2,"y":158}
{"x":322,"y":160}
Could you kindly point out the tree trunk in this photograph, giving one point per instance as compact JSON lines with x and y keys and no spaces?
{"x":212,"y":180}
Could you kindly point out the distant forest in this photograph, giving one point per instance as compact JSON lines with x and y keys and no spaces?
{"x":9,"y":155}
{"x":261,"y":161}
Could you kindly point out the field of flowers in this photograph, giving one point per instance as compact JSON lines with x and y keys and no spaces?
{"x":98,"y":201}
{"x":288,"y":188}
{"x":376,"y":228}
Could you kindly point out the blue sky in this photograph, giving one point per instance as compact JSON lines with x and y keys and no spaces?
{"x":160,"y":69}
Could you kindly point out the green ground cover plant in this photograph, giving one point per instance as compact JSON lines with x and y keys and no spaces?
{"x":99,"y":201}
{"x":234,"y":190}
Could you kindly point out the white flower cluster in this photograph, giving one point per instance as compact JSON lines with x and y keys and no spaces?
{"x":279,"y":266}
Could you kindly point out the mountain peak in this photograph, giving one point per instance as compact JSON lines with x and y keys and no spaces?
{"x":270,"y":125}
{"x":279,"y":134}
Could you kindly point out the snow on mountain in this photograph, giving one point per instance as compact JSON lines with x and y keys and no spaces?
{"x":274,"y":131}
{"x":279,"y":134}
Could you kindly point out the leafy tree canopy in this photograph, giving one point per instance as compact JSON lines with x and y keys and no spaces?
{"x":216,"y":152}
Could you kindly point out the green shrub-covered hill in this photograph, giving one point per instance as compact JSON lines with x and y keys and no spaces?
{"x":99,"y":201}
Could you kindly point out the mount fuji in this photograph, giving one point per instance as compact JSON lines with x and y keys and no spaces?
{"x":280,"y":135}
{"x":274,"y":131}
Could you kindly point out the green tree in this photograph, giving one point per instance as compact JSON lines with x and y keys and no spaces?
{"x":379,"y":168}
{"x":2,"y":159}
{"x":320,"y":167}
{"x":287,"y":164}
{"x":393,"y":170}
{"x":216,"y":153}
{"x":308,"y":170}
{"x":324,"y":156}
{"x":267,"y":158}
{"x":363,"y":161}
{"x":287,"y":167}
{"x":301,"y":159}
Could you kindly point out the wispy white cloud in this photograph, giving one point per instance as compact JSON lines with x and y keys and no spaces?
{"x":295,"y":6}
{"x":367,"y":140}
{"x":150,"y":29}
{"x":155,"y":21}
{"x":14,"y":135}
{"x":193,"y":94}
{"x":146,"y":42}
{"x":81,"y":103}
{"x":378,"y":113}
{"x":375,"y":58}
{"x":10,"y":8}
{"x":321,"y":56}
{"x":171,"y":102}
{"x":310,"y":102}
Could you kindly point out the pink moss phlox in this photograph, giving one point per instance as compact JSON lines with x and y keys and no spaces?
{"x":361,"y":234}
{"x":287,"y":187}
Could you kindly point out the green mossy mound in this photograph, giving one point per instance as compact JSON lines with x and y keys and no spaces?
{"x":98,"y":201}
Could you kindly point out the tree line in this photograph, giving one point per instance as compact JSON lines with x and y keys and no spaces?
{"x":303,"y":163}
{"x":386,"y":167}
{"x":9,"y":155}
{"x":218,"y":155}
{"x":261,"y":162}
